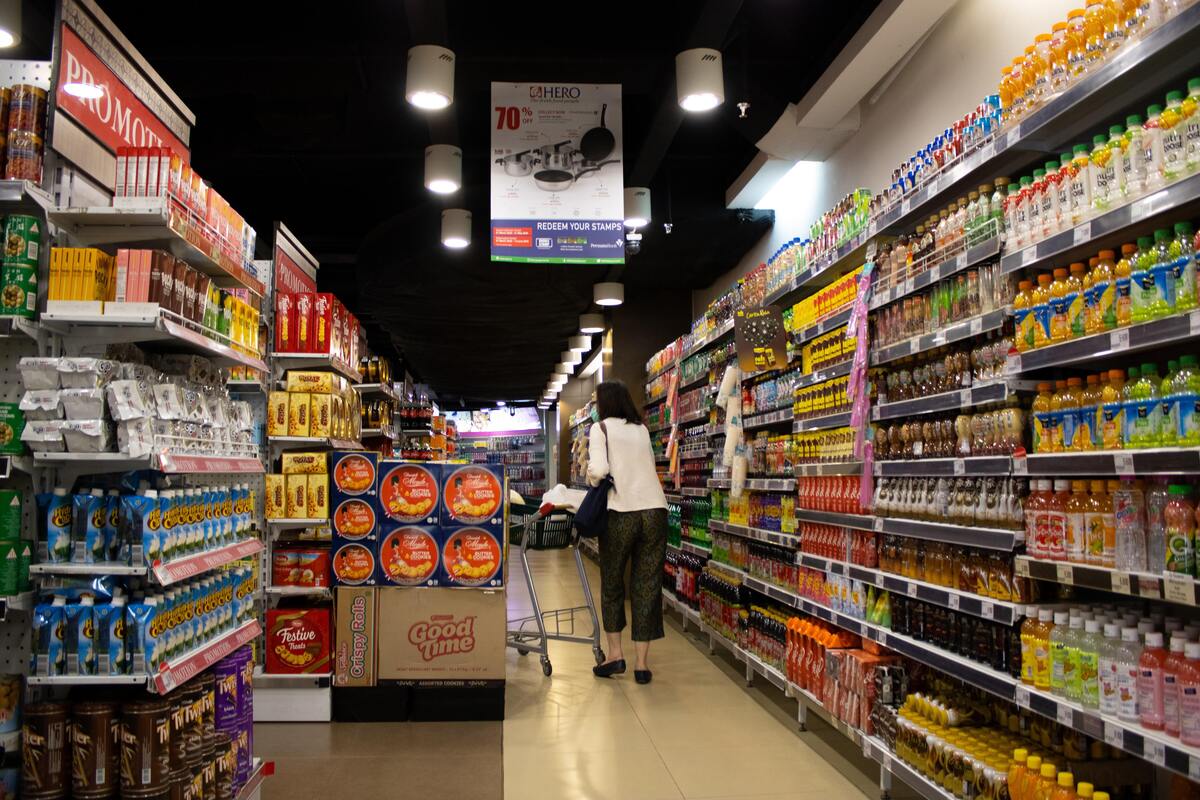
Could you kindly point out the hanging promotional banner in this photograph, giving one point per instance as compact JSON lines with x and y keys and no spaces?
{"x":760,"y":339}
{"x":557,"y":188}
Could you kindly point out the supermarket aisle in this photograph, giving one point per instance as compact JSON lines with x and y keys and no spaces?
{"x":696,"y":732}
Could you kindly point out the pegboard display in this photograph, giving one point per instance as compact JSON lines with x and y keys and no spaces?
{"x":36,"y":73}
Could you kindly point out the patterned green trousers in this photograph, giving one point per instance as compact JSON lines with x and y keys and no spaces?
{"x":642,"y":537}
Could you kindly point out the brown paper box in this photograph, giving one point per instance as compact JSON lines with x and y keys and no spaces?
{"x":441,"y":634}
{"x":354,"y":651}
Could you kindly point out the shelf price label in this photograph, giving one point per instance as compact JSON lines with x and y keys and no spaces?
{"x":912,"y":590}
{"x":977,"y":326}
{"x":1028,"y":256}
{"x":1020,"y":465}
{"x":1194,"y":323}
{"x":1114,"y":736}
{"x":1066,"y":716}
{"x":1065,"y":573}
{"x":1179,"y":588}
{"x":1123,"y":463}
{"x":952,"y":601}
{"x":906,"y":206}
{"x":878,"y":524}
{"x":1120,"y":582}
{"x":1022,"y":568}
{"x":1014,"y":136}
{"x":1021,"y":697}
{"x":1154,"y":752}
{"x":1148,"y":587}
{"x":960,"y":262}
{"x":960,"y":467}
{"x":987,"y":610}
{"x":1118,"y":340}
{"x":1083,"y":233}
{"x":1194,"y":768}
{"x":988,"y":151}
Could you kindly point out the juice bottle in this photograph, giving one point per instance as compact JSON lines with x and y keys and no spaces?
{"x":1060,"y":325}
{"x":1104,"y":290}
{"x":1144,"y":414}
{"x":1170,"y":123}
{"x":1089,"y":664}
{"x":1056,"y":521}
{"x":1072,"y":421}
{"x":1090,"y":413}
{"x":1183,"y":256}
{"x":1041,"y":649}
{"x":1076,"y":508}
{"x":1152,"y":148}
{"x":1065,"y":790}
{"x":1006,"y":90}
{"x":1023,"y":316}
{"x":1062,"y":182}
{"x":1011,"y":200}
{"x":1123,"y":281}
{"x":1045,"y":786}
{"x":1051,"y":214}
{"x":1187,"y":395}
{"x":1041,"y":310}
{"x":1033,"y":207}
{"x":1081,"y":184}
{"x":1099,"y":507}
{"x":1162,"y":269}
{"x":1041,"y":419}
{"x":1028,"y":638}
{"x":1108,"y":669}
{"x":1168,"y":433}
{"x":1108,"y":556}
{"x":1180,"y":517}
{"x":1075,"y":300}
{"x":1072,"y":687}
{"x":1077,"y":43}
{"x":1150,"y":682}
{"x":1112,"y":410}
{"x":1034,"y":507}
{"x":1134,"y":163}
{"x":1191,"y":125}
{"x":997,"y":211}
{"x":1016,"y":770}
{"x":1054,"y":419}
{"x":1100,"y":25}
{"x":1116,"y":150}
{"x":1060,"y":70}
{"x":1058,"y":653}
{"x":1172,"y":667}
{"x":1129,"y":512}
{"x":1127,"y":656}
{"x":1157,"y":496}
{"x":1188,"y":685}
{"x":1033,"y":774}
{"x":1089,"y":300}
{"x":1104,"y":176}
{"x":1020,"y":232}
{"x":1142,"y":279}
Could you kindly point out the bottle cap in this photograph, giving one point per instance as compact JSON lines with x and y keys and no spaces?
{"x":1129,"y":634}
{"x":1178,"y":643}
{"x":1162,"y":235}
{"x":1039,"y":174}
{"x":1100,"y":796}
{"x":1024,"y":285}
{"x":1115,"y":130}
{"x":1153,"y":111}
{"x":1066,"y":779}
{"x":1187,"y":361}
{"x":1092,"y":626}
{"x":1154,"y":639}
{"x":1061,"y":618}
{"x":1178,"y":490}
{"x":1077,"y":623}
{"x":1084,"y":790}
{"x":1133,"y":119}
{"x":1049,"y":771}
{"x":1047,"y":615}
{"x":1025,"y":181}
{"x":1064,"y":158}
{"x":1107,"y":255}
{"x":1051,"y":166}
{"x":1192,"y":650}
{"x":1033,"y":763}
{"x":1020,"y":754}
{"x":1194,"y":83}
{"x":1128,"y":249}
{"x":1099,"y":139}
{"x":1075,"y":381}
{"x":1172,"y":97}
{"x":1111,"y":630}
{"x":1116,"y":375}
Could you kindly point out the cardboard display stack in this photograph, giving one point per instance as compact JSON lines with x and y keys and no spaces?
{"x":418,"y":562}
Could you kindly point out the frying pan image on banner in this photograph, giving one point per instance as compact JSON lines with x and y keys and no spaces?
{"x":518,"y":165}
{"x":598,"y":143}
{"x":559,"y":180}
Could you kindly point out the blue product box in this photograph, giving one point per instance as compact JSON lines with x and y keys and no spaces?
{"x":353,"y":563}
{"x":409,"y":555}
{"x":474,"y":494}
{"x":472,"y":555}
{"x":409,"y":492}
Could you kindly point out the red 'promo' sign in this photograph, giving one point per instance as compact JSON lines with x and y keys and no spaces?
{"x":117,"y":118}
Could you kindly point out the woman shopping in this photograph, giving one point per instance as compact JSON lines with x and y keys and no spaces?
{"x":619,"y":446}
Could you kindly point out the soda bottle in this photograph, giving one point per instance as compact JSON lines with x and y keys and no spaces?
{"x":1180,"y":518}
{"x":1150,"y":682}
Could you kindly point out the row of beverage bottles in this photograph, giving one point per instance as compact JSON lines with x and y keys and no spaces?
{"x":1138,"y":526}
{"x":1138,"y":669}
{"x":1119,"y":410}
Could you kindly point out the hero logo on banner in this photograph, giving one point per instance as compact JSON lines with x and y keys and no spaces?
{"x":117,"y":118}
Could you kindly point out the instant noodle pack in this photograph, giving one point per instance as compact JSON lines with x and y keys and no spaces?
{"x":404,"y":523}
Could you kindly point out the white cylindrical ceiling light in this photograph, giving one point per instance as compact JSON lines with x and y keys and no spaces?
{"x":443,"y":168}
{"x":580,"y":344}
{"x":429,"y":82}
{"x":637,"y":206}
{"x":570,"y":357}
{"x":591,"y":323}
{"x":608,"y":294}
{"x":563,"y":369}
{"x":456,"y":228}
{"x":558,"y":379}
{"x":10,"y":23}
{"x":550,"y":396}
{"x":699,"y":79}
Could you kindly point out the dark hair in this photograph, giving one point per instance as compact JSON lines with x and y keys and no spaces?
{"x":613,"y":400}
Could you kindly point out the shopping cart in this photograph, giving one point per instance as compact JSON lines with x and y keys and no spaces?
{"x":553,"y":530}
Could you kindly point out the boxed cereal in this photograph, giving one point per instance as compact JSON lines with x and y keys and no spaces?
{"x":408,"y":491}
{"x":473,"y":495}
{"x":354,"y":636}
{"x":277,"y":414}
{"x":441,"y":634}
{"x":296,"y":499}
{"x":298,"y":405}
{"x":320,"y":422}
{"x":274,"y":497}
{"x":303,"y":463}
{"x":408,"y":556}
{"x":355,"y":519}
{"x":317,"y":499}
{"x":472,"y":556}
{"x":297,"y":641}
{"x":353,"y":562}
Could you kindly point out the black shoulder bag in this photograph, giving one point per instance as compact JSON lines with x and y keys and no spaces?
{"x":591,"y":519}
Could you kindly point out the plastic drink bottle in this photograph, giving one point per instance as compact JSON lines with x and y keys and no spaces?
{"x":1042,"y":433}
{"x":1116,"y":148}
{"x":1162,"y":299}
{"x":1076,"y":508}
{"x":1183,"y":255}
{"x":1090,"y":414}
{"x":1020,"y":231}
{"x":1170,"y":122}
{"x":1168,"y":432}
{"x":1028,"y":644}
{"x":1186,"y":389}
{"x":1127,"y":675}
{"x":1104,"y":177}
{"x":1144,"y":412}
{"x":1191,"y":126}
{"x":1104,"y":290}
{"x":1123,"y":299}
{"x":1188,"y":686}
{"x":1072,"y":685}
{"x":1172,"y":666}
{"x":1072,"y":419}
{"x":1041,"y":310}
{"x":1055,"y":543}
{"x":1076,"y":302}
{"x":1058,"y":653}
{"x":1129,"y":513}
{"x":1065,"y":790}
{"x":1033,"y":774}
{"x":1041,"y":652}
{"x":1055,"y":417}
{"x":1108,"y":557}
{"x":1150,"y":682}
{"x":1100,"y":796}
{"x":1099,"y":507}
{"x":1109,"y":695}
{"x":1088,"y":669}
{"x":1033,"y":206}
{"x":1180,"y":517}
{"x":1060,"y":324}
{"x":1152,"y":148}
{"x":1016,"y":770}
{"x":1112,"y":411}
{"x":1156,"y":525}
{"x":1034,"y":510}
{"x":1023,"y":317}
{"x":1047,"y":783}
{"x":1141,"y":279}
{"x":1081,"y":184}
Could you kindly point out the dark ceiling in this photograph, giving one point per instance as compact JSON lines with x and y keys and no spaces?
{"x":301,"y":118}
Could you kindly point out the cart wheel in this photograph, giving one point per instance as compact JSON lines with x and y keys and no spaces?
{"x":521,"y":652}
{"x":546,"y":667}
{"x":599,"y":654}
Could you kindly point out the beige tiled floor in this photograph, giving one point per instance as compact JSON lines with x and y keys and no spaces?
{"x":696,"y":732}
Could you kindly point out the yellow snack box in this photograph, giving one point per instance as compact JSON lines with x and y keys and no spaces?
{"x":277,"y":414}
{"x":303,"y":463}
{"x":298,"y":405}
{"x":320,"y":415}
{"x":318,"y":497}
{"x":296,"y":502}
{"x":299,"y":380}
{"x":274,"y":500}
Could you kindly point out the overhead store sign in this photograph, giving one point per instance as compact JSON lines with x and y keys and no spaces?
{"x":760,"y":338}
{"x":556,"y":161}
{"x":295,"y":267}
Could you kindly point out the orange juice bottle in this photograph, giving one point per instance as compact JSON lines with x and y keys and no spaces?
{"x":1099,"y":507}
{"x":1044,"y":790}
{"x":1076,"y":300}
{"x":1060,"y":72}
{"x":1098,"y":20}
{"x":1006,"y":91}
{"x":1077,"y":521}
{"x":1016,"y":770}
{"x":1054,"y":429}
{"x":1112,"y":411}
{"x":1123,"y":278}
{"x":1039,"y":61}
{"x":1023,"y":319}
{"x":1077,"y":43}
{"x":1041,"y":310}
{"x":1072,"y":422}
{"x":1029,"y":782}
{"x":1065,"y":790}
{"x":1090,"y":413}
{"x":1104,"y":292}
{"x":1041,"y":419}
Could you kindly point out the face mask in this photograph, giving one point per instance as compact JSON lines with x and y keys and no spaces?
{"x":595,"y":415}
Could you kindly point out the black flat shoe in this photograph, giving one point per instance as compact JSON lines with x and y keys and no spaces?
{"x":643,"y":675}
{"x":608,"y":670}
